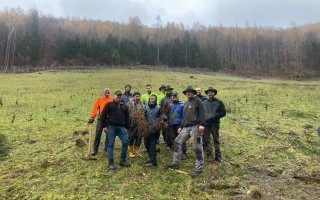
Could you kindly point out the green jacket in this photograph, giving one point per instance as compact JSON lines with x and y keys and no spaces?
{"x":161,"y":96}
{"x":145,"y":98}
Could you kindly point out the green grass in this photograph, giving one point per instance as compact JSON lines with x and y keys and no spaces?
{"x":261,"y":138}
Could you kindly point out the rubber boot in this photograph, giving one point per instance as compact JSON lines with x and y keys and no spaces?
{"x":131,"y":151}
{"x":136,"y":151}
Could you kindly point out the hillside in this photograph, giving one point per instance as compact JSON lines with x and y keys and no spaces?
{"x":265,"y":139}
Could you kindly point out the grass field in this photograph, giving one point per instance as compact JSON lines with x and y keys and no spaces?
{"x":265,"y":138}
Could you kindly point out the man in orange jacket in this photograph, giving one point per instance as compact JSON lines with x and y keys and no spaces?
{"x":96,"y":110}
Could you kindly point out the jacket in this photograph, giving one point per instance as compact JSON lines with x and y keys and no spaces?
{"x":99,"y":105}
{"x":151,"y":114}
{"x":116,"y":114}
{"x":193,"y":113}
{"x":175,"y":113}
{"x":145,"y":98}
{"x":214,"y":111}
{"x":126,"y":97}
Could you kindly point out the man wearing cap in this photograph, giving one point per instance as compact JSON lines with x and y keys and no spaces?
{"x":127,"y":95}
{"x":165,"y":106}
{"x":145,"y":97}
{"x":214,"y":111}
{"x":134,"y":141}
{"x":96,"y":110}
{"x":199,"y":94}
{"x":192,"y":126}
{"x":114,"y":121}
{"x":174,"y":121}
{"x":162,"y":94}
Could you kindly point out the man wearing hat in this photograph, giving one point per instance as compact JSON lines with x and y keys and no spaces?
{"x":134,"y":106}
{"x":114,"y":121}
{"x":127,"y":95}
{"x":162,"y":94}
{"x":192,"y":126}
{"x":165,"y":104}
{"x":174,"y":121}
{"x":214,"y":111}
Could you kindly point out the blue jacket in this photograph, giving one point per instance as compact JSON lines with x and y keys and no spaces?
{"x":175,"y":113}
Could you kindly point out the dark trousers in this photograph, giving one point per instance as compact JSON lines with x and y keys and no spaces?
{"x":168,"y":138}
{"x":207,"y":146}
{"x":97,"y":138}
{"x":150,"y":143}
{"x":174,"y":133}
{"x":134,"y":139}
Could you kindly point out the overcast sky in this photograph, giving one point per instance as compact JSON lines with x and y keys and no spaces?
{"x":276,"y":13}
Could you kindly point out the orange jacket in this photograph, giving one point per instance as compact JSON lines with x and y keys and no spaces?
{"x":99,"y":105}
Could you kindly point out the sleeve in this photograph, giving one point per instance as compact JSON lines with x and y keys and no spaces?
{"x":126,"y":116}
{"x":222,"y":110}
{"x":95,"y":109}
{"x":202,"y":112}
{"x":104,"y":116}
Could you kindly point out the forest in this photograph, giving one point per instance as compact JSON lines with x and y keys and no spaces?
{"x":29,"y":39}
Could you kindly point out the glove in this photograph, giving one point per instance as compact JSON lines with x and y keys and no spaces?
{"x":91,"y":120}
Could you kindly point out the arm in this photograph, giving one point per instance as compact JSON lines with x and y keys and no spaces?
{"x":95,"y":109}
{"x":221,"y":110}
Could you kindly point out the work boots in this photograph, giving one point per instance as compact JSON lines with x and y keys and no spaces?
{"x":131,"y":151}
{"x":124,"y":163}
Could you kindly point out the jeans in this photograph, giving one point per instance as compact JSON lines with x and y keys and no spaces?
{"x":150,"y":143}
{"x":121,"y":132}
{"x":185,"y":134}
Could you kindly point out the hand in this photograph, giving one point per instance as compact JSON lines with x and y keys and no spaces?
{"x":91,"y":120}
{"x":105,"y":129}
{"x":201,"y":129}
{"x":179,"y":130}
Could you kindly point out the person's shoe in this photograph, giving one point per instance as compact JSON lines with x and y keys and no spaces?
{"x":172,"y":166}
{"x":183,"y":156}
{"x":112,"y":167}
{"x":196,"y":173}
{"x":210,"y":158}
{"x":131,"y":151}
{"x":219,"y":159}
{"x":150,"y":164}
{"x":147,"y":161}
{"x":124,"y":163}
{"x":94,"y":153}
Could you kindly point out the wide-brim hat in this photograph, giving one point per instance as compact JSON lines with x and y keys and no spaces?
{"x":162,"y":87}
{"x":168,"y":87}
{"x":189,"y":89}
{"x":212,"y":90}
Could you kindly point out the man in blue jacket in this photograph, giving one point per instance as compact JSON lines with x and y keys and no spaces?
{"x":174,"y":121}
{"x":214,"y":111}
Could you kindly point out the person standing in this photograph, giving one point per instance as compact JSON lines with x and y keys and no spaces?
{"x":114,"y":121}
{"x":174,"y":121}
{"x":96,"y":110}
{"x":134,"y":106}
{"x":165,"y":106}
{"x":127,"y":95}
{"x":162,"y":94}
{"x":145,"y":97}
{"x":199,"y":94}
{"x":152,"y":113}
{"x":215,"y":110}
{"x":192,"y":126}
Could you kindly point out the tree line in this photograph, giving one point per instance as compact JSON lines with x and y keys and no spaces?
{"x":29,"y":39}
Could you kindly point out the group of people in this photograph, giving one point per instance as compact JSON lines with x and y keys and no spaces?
{"x":197,"y":118}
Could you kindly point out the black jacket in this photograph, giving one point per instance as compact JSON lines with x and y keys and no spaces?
{"x":214,"y":111}
{"x":116,"y":114}
{"x":193,"y":113}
